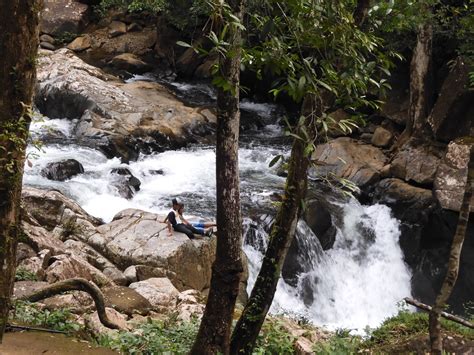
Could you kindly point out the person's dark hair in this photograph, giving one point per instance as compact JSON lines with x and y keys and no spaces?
{"x":174,"y":201}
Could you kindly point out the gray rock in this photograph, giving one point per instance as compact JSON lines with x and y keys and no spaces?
{"x":62,"y":170}
{"x":133,"y":27}
{"x":50,"y":208}
{"x":452,"y":114}
{"x":47,"y":38}
{"x":48,"y":46}
{"x":126,"y":300}
{"x":451,"y":176}
{"x":121,"y":119}
{"x":416,"y":163}
{"x":97,"y":260}
{"x":59,"y":16}
{"x":24,"y":251}
{"x":347,"y":158}
{"x":117,"y":28}
{"x":160,"y":292}
{"x":131,"y":274}
{"x":136,"y":237}
{"x":130,"y":62}
{"x":382,"y":137}
{"x":25,"y":288}
{"x":80,"y":44}
{"x":67,"y":266}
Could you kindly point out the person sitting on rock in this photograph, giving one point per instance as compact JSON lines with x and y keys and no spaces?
{"x":201,"y":226}
{"x":171,"y":220}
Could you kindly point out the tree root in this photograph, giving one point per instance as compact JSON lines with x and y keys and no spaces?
{"x":75,"y":284}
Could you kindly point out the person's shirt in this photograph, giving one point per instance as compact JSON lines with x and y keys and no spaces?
{"x":172,"y":217}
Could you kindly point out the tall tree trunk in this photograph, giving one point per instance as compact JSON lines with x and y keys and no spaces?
{"x":281,"y":236}
{"x":18,"y":49}
{"x":214,"y":331}
{"x":421,"y":86}
{"x":453,"y":264}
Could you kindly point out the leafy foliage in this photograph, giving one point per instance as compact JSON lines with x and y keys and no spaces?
{"x":27,"y":313}
{"x":154,"y":337}
{"x":23,"y":274}
{"x":341,"y":343}
{"x":274,"y":339}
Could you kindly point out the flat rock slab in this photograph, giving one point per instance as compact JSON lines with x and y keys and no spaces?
{"x":28,"y":343}
{"x":136,"y":237}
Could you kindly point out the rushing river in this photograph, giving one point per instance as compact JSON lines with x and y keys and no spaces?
{"x":355,"y":284}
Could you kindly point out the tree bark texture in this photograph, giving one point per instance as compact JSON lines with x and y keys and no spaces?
{"x":453,"y":263}
{"x":421,"y":85}
{"x":18,"y":50}
{"x":282,"y":233}
{"x":446,"y":315}
{"x":214,"y":332}
{"x":77,"y":284}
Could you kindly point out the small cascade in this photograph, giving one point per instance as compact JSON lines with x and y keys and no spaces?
{"x":356,"y":284}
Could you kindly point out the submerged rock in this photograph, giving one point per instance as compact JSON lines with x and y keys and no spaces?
{"x":62,"y":170}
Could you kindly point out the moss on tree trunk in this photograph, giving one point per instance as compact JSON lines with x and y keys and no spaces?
{"x":18,"y":48}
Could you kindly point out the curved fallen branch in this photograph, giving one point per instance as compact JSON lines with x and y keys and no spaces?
{"x":449,"y":316}
{"x":76,"y":284}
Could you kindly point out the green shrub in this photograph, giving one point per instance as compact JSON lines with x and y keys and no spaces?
{"x":341,"y":343}
{"x":274,"y":339}
{"x":23,"y":274}
{"x":154,"y":337}
{"x":27,"y":313}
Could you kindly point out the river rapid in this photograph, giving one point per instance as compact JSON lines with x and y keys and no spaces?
{"x":354,"y":285}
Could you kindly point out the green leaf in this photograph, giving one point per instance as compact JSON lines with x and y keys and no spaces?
{"x":275,"y":160}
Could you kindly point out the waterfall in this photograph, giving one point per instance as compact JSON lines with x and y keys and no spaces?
{"x":355,"y":284}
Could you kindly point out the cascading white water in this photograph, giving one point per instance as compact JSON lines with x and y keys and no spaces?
{"x":355,"y":284}
{"x":188,"y":173}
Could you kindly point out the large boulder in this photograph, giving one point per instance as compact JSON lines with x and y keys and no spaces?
{"x":62,"y":170}
{"x":139,"y":43}
{"x":65,"y":267}
{"x":451,"y":176}
{"x":122,"y":119}
{"x":59,"y":16}
{"x":130,"y":62}
{"x":85,"y":252}
{"x":160,"y":292}
{"x":51,"y":209}
{"x":126,"y":300}
{"x":140,"y":238}
{"x":80,"y":44}
{"x":350,"y":159}
{"x":416,"y":163}
{"x":452,"y":114}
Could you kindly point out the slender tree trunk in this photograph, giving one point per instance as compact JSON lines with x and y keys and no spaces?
{"x":214,"y":333}
{"x":421,"y":86}
{"x":453,"y":264}
{"x":18,"y":48}
{"x":281,"y":236}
